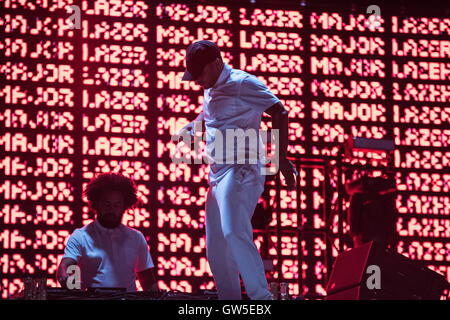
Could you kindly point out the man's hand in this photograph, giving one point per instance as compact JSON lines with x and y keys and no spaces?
{"x":289,"y":172}
{"x":192,"y":127}
{"x":61,"y":273}
{"x":62,"y":279}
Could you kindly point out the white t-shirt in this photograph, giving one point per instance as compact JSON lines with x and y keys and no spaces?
{"x":236,"y":101}
{"x":108,"y":257}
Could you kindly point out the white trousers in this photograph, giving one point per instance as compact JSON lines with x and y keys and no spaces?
{"x":229,"y":236}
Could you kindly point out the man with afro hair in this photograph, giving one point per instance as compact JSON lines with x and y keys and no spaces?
{"x":108,"y":253}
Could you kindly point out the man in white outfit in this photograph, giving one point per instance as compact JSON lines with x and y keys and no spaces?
{"x":234,"y":100}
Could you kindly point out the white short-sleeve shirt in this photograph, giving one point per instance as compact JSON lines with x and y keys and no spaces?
{"x":236,"y":101}
{"x":108,"y":257}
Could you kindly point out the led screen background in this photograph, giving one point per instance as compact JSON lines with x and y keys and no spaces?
{"x":108,"y":96}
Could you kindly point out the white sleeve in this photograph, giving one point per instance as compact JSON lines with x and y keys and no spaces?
{"x":73,"y":249}
{"x":144,"y":260}
{"x":255,"y":94}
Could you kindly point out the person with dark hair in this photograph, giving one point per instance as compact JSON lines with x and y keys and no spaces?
{"x":108,"y":253}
